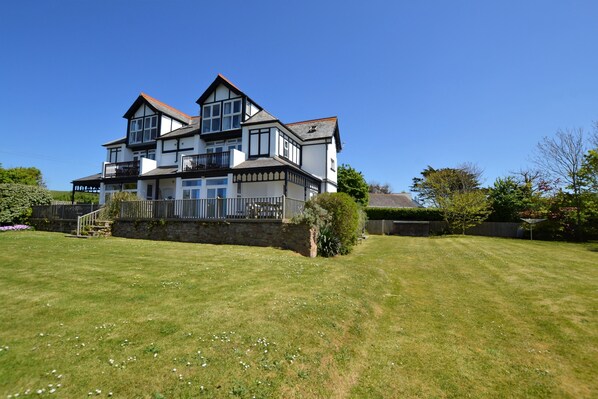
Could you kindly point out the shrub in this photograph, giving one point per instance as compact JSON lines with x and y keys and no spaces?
{"x":343,"y":222}
{"x":113,"y":204}
{"x":424,"y":214}
{"x":16,"y":201}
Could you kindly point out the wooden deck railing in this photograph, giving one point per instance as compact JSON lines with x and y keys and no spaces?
{"x":89,"y":219}
{"x":273,"y":208}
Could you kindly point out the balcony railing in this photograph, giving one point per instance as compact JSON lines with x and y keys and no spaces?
{"x":273,"y":208}
{"x":211,"y":161}
{"x":121,"y":169}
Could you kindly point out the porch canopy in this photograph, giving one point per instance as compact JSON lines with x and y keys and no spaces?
{"x":274,"y":169}
{"x":89,"y":184}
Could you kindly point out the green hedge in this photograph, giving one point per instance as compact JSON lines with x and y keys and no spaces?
{"x":16,"y":201}
{"x":425,"y":214}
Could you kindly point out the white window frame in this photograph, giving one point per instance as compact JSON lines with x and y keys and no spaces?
{"x":150,"y":128}
{"x":230,"y":116}
{"x":136,"y":136}
{"x":208,"y":121}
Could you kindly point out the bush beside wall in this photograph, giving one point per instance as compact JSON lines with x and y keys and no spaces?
{"x":16,"y":201}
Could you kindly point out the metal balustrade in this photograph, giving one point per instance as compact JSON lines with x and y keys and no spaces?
{"x":121,"y":169}
{"x":211,"y":161}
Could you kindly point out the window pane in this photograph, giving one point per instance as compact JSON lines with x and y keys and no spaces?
{"x":226,"y":122}
{"x":216,"y":110}
{"x":216,"y":182}
{"x":264,"y":144}
{"x":236,"y":121}
{"x":206,"y":125}
{"x":215,"y":124}
{"x":207,"y":111}
{"x":191,"y":183}
{"x":253,"y":150}
{"x":226,"y":110}
{"x":237,"y":106}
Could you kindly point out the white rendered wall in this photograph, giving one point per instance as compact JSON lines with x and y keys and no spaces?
{"x":332,"y":172}
{"x":165,"y":126}
{"x":314,"y":160}
{"x":262,"y":189}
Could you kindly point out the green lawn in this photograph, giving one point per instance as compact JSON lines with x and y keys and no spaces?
{"x":400,"y":317}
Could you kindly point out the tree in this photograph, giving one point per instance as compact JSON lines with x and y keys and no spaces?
{"x":589,"y":171}
{"x":352,"y":182}
{"x":28,"y":176}
{"x":377,"y":188}
{"x":436,"y":184}
{"x":456,"y":192}
{"x":509,"y":198}
{"x":463,"y":210}
{"x":561,"y":157}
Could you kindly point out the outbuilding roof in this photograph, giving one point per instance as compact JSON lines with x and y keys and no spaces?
{"x":400,"y":200}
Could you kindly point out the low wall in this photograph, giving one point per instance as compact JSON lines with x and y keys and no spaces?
{"x":489,"y":229}
{"x":296,"y":237}
{"x":58,"y":225}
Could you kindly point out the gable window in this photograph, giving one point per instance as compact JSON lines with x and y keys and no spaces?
{"x":231,"y":115}
{"x":150,"y":128}
{"x":211,"y":118}
{"x":136,"y":131}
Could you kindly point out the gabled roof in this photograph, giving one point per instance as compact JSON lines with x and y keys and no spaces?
{"x":183,"y":131}
{"x":401,"y":200}
{"x":262,"y":116}
{"x":315,"y":129}
{"x":220,"y":79}
{"x":157,"y":105}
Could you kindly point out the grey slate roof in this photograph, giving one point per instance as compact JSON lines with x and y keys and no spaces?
{"x":92,"y":178}
{"x":114,"y":142}
{"x":270,"y":162}
{"x":188,"y":130}
{"x":161,"y":171}
{"x":315,"y":129}
{"x":261,"y":117}
{"x":401,"y":200}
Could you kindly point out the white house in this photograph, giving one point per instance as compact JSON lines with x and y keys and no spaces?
{"x":233,"y":149}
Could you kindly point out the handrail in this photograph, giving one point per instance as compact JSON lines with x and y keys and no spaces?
{"x":274,"y":208}
{"x":87,"y":220}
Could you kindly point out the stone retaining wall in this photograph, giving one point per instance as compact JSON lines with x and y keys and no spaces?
{"x":297,"y":237}
{"x":66,"y":226}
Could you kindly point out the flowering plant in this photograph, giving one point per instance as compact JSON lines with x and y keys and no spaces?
{"x":16,"y":227}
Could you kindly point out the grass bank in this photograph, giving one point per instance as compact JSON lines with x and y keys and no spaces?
{"x":400,"y":317}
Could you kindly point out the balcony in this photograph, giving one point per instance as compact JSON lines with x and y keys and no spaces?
{"x":203,"y":162}
{"x":121,"y":169}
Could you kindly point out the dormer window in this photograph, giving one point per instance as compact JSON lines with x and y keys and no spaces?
{"x":211,"y":118}
{"x":136,"y":134}
{"x":143,"y":130}
{"x":231,"y":115}
{"x":150,"y":130}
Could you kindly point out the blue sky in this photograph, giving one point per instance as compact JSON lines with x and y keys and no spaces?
{"x":414,"y":83}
